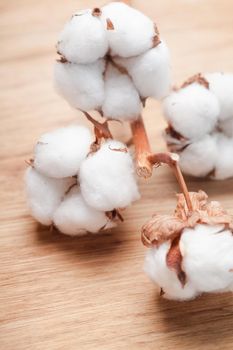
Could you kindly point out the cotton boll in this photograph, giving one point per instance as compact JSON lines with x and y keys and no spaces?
{"x":44,"y":194}
{"x":198,"y":159}
{"x":224,"y":159}
{"x":59,"y":153}
{"x":133,"y":32}
{"x":221,"y":84}
{"x":81,"y":85}
{"x":156,"y":268}
{"x":107,"y":177}
{"x":121,"y":101}
{"x":207,"y":257}
{"x":83,"y":39}
{"x":192,"y":111}
{"x":75,"y":217}
{"x":150,"y":71}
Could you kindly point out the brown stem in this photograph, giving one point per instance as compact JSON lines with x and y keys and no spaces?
{"x":101,"y":129}
{"x":146,"y":160}
{"x":142,"y":148}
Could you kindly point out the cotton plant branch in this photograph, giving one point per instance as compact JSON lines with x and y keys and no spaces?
{"x":146,"y":160}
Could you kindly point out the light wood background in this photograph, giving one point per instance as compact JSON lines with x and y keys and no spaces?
{"x":91,"y":293}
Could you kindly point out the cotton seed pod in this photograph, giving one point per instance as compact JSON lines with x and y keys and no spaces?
{"x":221,"y":85}
{"x":122,"y":101}
{"x":81,"y":85}
{"x":131,"y":32}
{"x":195,"y":259}
{"x":84,"y":38}
{"x":107,"y":178}
{"x":45,"y":194}
{"x":75,"y":217}
{"x":192,"y":111}
{"x":150,"y":71}
{"x":59,"y":153}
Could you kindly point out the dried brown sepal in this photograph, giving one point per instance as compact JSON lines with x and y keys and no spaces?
{"x":110,"y":25}
{"x":170,"y":131}
{"x":123,"y":150}
{"x":156,"y":40}
{"x":62,"y":59}
{"x":161,"y":293}
{"x":160,"y":229}
{"x":30,"y":162}
{"x":174,"y":260}
{"x":114,"y":214}
{"x":96,"y":12}
{"x":204,"y":212}
{"x":197,"y":78}
{"x":101,"y":129}
{"x":116,"y":65}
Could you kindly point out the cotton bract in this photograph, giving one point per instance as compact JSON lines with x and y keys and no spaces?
{"x":45,"y":194}
{"x":207,"y":262}
{"x":133,"y":32}
{"x":81,"y":85}
{"x":75,"y":217}
{"x":84,"y":38}
{"x":59,"y":153}
{"x":107,"y":177}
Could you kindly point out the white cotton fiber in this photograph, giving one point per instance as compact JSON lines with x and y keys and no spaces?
{"x":132,"y":32}
{"x":224,"y":159}
{"x":156,"y":268}
{"x":59,"y":153}
{"x":81,"y":85}
{"x":44,"y":194}
{"x":107,"y":177}
{"x":221,"y":84}
{"x":198,"y":159}
{"x":207,"y":257}
{"x":75,"y":217}
{"x":192,"y":110}
{"x":122,"y":100}
{"x":83,"y":39}
{"x":207,"y":262}
{"x":151,"y":71}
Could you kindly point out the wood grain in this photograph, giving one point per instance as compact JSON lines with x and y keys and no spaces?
{"x":91,"y":293}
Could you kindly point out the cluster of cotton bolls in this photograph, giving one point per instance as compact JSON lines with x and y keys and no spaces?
{"x":200,"y":118}
{"x":190,"y":258}
{"x":111,"y":60}
{"x":76,"y":187}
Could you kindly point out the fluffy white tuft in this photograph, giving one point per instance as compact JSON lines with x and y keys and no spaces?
{"x":207,"y":262}
{"x":44,"y":194}
{"x":192,"y":111}
{"x":156,"y":268}
{"x":59,"y":153}
{"x":151,"y":72}
{"x":199,"y":158}
{"x":81,"y":85}
{"x":133,"y":32}
{"x":83,"y":39}
{"x":121,"y":101}
{"x":107,"y":177}
{"x":221,"y":84}
{"x":75,"y":217}
{"x":224,"y":158}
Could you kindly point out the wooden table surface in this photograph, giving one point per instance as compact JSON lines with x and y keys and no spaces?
{"x":59,"y":292}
